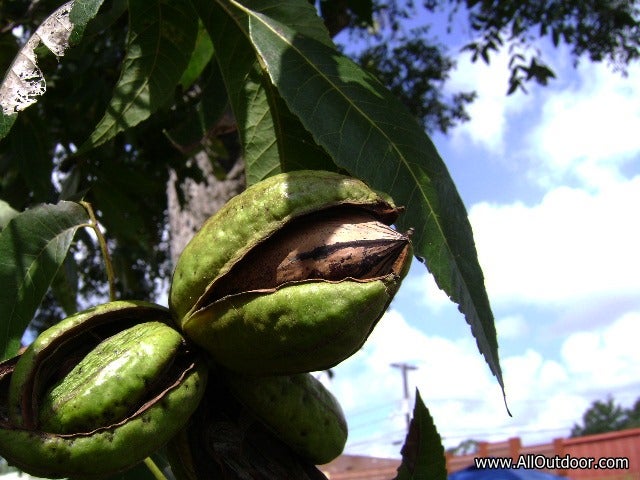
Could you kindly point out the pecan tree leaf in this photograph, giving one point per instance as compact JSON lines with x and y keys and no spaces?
{"x":422,"y":454}
{"x":33,"y":246}
{"x":273,"y":138}
{"x":24,"y":82}
{"x":160,"y":41}
{"x":369,"y":133}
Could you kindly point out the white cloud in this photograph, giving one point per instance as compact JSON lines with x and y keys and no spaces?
{"x":367,"y":380}
{"x":545,"y":396}
{"x":572,"y":246}
{"x":582,"y":127}
{"x":608,"y":354}
{"x":492,"y":106}
{"x":513,"y":326}
{"x":421,"y":288}
{"x":589,"y":130}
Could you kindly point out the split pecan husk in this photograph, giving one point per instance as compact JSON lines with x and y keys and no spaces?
{"x":291,"y":275}
{"x":98,"y":393}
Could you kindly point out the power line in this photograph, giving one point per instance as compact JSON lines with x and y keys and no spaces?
{"x":374,"y":440}
{"x":383,"y":439}
{"x":365,"y":411}
{"x":499,"y":432}
{"x":454,"y":434}
{"x":375,"y":421}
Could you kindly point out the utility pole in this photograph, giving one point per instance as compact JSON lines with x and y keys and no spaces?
{"x":404,"y":368}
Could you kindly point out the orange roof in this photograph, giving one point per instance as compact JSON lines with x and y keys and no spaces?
{"x":624,"y":444}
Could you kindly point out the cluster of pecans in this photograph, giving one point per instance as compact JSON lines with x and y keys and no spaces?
{"x":289,"y":277}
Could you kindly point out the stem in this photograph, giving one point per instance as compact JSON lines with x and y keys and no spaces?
{"x":149,"y":463}
{"x":103,"y":248}
{"x":153,"y":468}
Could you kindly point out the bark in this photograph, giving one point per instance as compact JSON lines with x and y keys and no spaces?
{"x":201,"y":200}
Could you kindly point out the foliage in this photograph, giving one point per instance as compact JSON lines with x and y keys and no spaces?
{"x":144,"y":85}
{"x":607,"y":416}
{"x":602,"y":30}
{"x":422,"y":453}
{"x":465,"y":447}
{"x":606,"y":30}
{"x":33,"y":246}
{"x":410,"y":70}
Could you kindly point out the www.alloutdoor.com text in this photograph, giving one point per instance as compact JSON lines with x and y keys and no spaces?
{"x":557,"y":462}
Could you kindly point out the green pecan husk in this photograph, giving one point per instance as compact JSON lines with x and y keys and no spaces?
{"x":298,"y":409}
{"x":224,"y":440}
{"x":98,"y":392}
{"x":291,"y":275}
{"x":299,"y":328}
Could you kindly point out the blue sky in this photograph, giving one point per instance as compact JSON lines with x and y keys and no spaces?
{"x":551,"y":181}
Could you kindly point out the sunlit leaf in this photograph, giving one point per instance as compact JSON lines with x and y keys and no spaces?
{"x":65,"y":285}
{"x":369,"y":133}
{"x":273,"y":138}
{"x":6,"y":213}
{"x":33,"y":246}
{"x":160,"y":40}
{"x":24,"y":81}
{"x":6,"y":122}
{"x":81,"y":13}
{"x":200,"y":57}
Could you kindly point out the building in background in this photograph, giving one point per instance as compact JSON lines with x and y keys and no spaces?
{"x":624,"y":444}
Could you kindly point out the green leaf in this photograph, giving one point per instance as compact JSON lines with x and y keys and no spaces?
{"x":65,"y":285}
{"x":30,"y":146}
{"x":24,"y":81}
{"x":214,"y":101}
{"x":262,"y":155}
{"x":369,"y":133}
{"x":6,"y":122}
{"x":299,"y":151}
{"x":237,"y":62}
{"x":200,"y":119}
{"x":161,"y":37}
{"x":422,"y":454}
{"x":6,"y":213}
{"x":99,"y":23}
{"x":32,"y":247}
{"x":273,"y":138}
{"x":81,"y":13}
{"x":200,"y":57}
{"x":121,"y":213}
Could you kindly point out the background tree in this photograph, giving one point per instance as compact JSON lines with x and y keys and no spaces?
{"x":633,"y":415}
{"x":607,"y":416}
{"x":465,"y":447}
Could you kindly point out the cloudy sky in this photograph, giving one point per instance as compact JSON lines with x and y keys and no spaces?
{"x":551,"y":181}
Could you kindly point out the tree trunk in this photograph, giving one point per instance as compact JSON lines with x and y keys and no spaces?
{"x":201,"y":200}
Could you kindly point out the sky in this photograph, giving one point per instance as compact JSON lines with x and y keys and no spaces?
{"x":551,"y":182}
